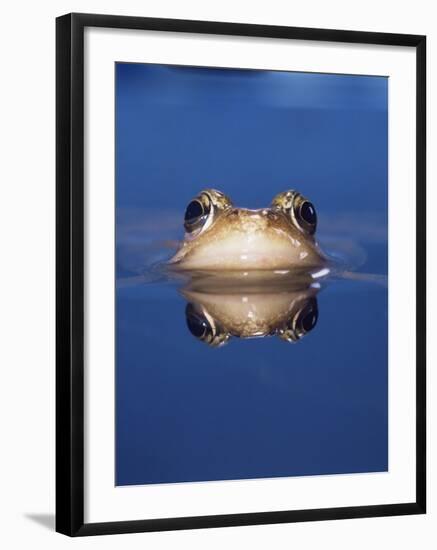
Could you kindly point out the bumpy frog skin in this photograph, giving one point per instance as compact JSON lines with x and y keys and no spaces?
{"x":219,"y":236}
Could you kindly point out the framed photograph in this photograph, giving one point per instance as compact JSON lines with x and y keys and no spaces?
{"x":240,"y":274}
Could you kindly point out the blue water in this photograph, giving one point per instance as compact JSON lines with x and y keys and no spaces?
{"x":259,"y":407}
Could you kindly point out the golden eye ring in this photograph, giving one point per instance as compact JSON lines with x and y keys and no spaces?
{"x":298,"y":209}
{"x":202,"y":210}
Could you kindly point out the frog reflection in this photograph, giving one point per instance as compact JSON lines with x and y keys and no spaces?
{"x":222,"y":237}
{"x":215,"y":317}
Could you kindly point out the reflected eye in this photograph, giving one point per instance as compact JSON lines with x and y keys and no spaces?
{"x":203,"y":327}
{"x":305,"y":215}
{"x":303,"y":321}
{"x":197,"y":324}
{"x":307,"y":318}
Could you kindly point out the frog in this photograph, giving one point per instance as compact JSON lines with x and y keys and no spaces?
{"x":221,"y":237}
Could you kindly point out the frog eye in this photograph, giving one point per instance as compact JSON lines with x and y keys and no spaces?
{"x":305,"y":215}
{"x":307,"y":318}
{"x":202,"y":210}
{"x":203,"y":327}
{"x":302,"y":322}
{"x":196,"y":214}
{"x":299,"y":209}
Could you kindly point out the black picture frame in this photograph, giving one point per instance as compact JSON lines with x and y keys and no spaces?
{"x":70,"y":273}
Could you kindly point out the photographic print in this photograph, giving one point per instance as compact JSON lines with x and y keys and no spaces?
{"x":251,"y":274}
{"x":241,"y":274}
